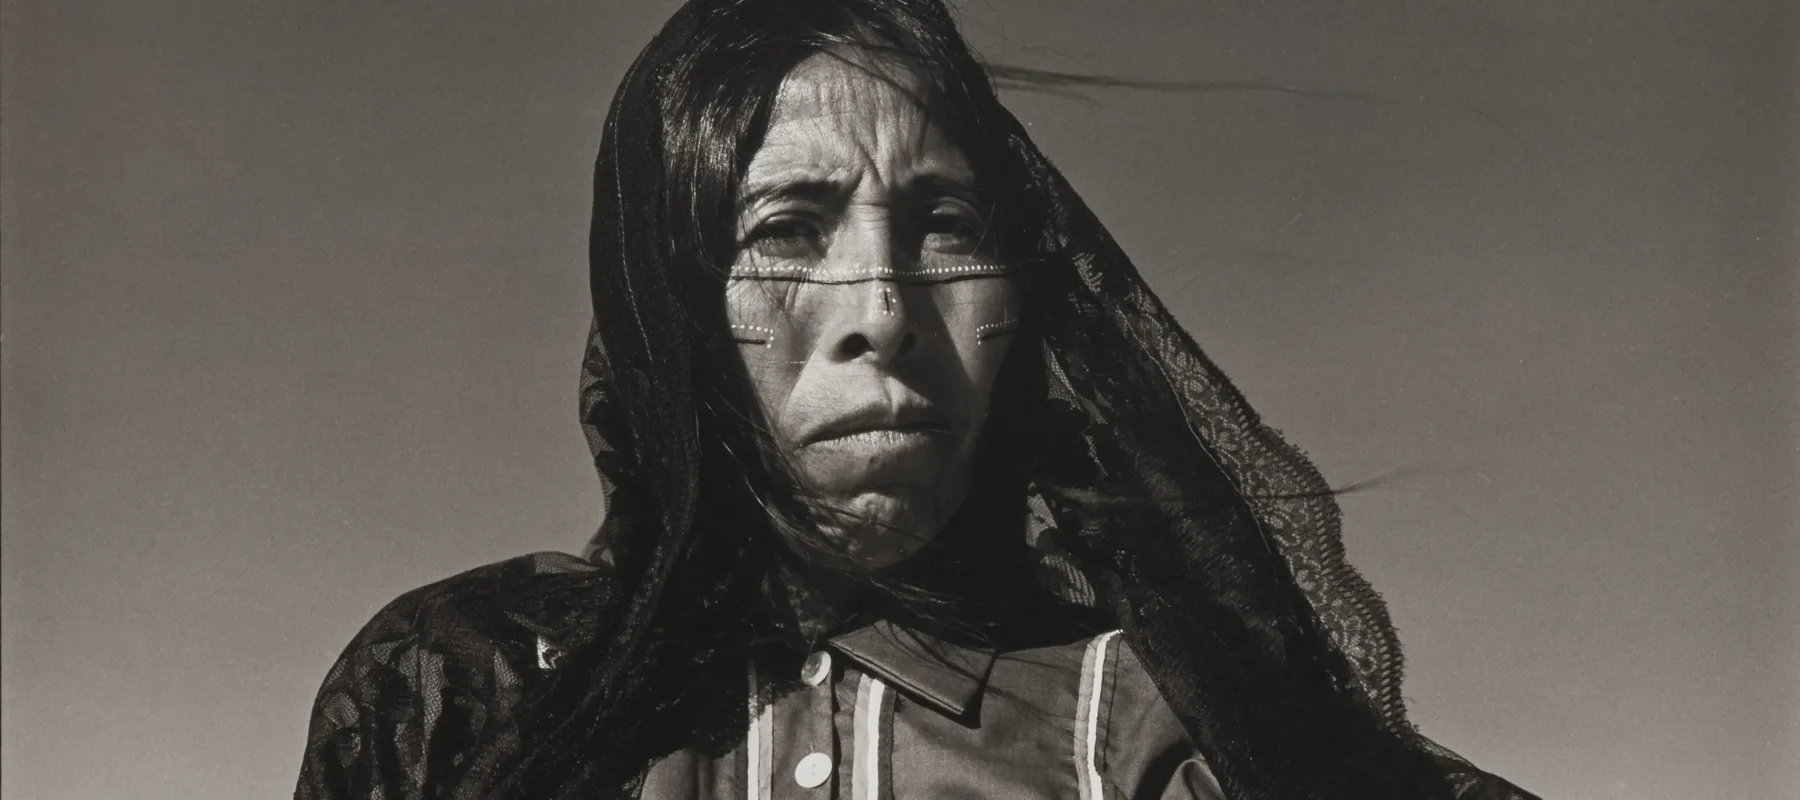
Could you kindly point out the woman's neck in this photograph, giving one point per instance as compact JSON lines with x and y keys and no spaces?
{"x":809,"y":603}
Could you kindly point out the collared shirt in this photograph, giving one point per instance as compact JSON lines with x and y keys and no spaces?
{"x":880,"y":713}
{"x":884,"y":712}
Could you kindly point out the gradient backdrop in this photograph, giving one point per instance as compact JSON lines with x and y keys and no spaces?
{"x":294,"y":296}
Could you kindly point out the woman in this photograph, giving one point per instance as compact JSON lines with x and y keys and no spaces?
{"x":914,"y":489}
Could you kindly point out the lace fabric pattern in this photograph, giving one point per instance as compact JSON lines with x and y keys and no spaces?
{"x":1157,"y":494}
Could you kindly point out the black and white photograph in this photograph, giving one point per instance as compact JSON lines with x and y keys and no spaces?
{"x":893,"y":399}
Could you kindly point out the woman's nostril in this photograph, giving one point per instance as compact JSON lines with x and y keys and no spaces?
{"x":855,"y":345}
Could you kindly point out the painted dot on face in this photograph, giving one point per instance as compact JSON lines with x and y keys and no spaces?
{"x":870,"y":308}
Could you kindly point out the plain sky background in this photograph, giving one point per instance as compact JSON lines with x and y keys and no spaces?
{"x":294,"y":294}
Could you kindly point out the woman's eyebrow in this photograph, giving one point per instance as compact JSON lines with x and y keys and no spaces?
{"x":939,"y":184}
{"x":815,"y":189}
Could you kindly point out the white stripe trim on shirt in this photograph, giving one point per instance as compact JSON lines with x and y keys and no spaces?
{"x":759,"y":774}
{"x":1087,"y":717}
{"x":865,"y":773}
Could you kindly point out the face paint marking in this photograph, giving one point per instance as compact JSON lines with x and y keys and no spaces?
{"x":766,"y":339}
{"x":815,"y":274}
{"x":994,"y":330}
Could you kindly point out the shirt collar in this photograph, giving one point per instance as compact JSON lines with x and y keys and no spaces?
{"x":946,"y":676}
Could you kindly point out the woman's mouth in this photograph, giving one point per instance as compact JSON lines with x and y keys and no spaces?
{"x":882,"y":443}
{"x":885,"y":436}
{"x":883,"y":455}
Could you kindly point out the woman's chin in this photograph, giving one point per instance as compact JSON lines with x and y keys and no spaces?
{"x":881,"y":527}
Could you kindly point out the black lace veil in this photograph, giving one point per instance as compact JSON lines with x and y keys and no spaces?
{"x":1162,"y":498}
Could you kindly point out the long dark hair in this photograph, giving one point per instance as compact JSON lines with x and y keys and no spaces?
{"x":604,"y":715}
{"x":1210,"y":541}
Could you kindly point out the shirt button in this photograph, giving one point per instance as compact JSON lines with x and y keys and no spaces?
{"x":816,"y":668}
{"x":812,"y":771}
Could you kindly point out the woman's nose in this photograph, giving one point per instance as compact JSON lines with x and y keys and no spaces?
{"x":876,"y":322}
{"x":874,"y":319}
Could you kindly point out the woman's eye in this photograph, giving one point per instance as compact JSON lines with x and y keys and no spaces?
{"x":784,"y":238}
{"x":953,"y":230}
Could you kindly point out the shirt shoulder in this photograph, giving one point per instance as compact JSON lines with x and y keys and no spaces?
{"x":505,"y":600}
{"x":1146,"y":750}
{"x":413,"y":690}
{"x":1125,"y":740}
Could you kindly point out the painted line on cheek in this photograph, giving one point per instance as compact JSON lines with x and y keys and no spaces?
{"x":830,"y":275}
{"x":767,"y":339}
{"x":995,"y":329}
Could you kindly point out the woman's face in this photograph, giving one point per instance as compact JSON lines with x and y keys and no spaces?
{"x":870,"y":308}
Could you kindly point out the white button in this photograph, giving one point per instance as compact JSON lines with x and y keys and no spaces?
{"x":816,"y":668}
{"x":812,"y":770}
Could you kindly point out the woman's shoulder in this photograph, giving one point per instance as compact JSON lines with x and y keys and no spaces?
{"x":414,"y":690}
{"x":521,"y":602}
{"x":480,"y":587}
{"x":1125,"y":731}
{"x":1101,"y":677}
{"x":1106,"y":657}
{"x":490,"y":629}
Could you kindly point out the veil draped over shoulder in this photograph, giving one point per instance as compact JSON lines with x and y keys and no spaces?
{"x":1165,"y":500}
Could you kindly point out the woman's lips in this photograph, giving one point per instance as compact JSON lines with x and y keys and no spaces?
{"x":875,"y":456}
{"x":885,"y":434}
{"x":908,"y":414}
{"x":881,"y":442}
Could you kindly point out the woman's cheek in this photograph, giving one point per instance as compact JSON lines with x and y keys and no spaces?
{"x":984,"y":348}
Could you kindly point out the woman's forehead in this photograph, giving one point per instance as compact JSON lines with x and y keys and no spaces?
{"x":848,"y":112}
{"x":844,"y":78}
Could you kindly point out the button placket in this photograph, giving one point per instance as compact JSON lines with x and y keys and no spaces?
{"x":806,"y":739}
